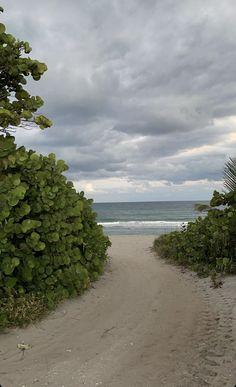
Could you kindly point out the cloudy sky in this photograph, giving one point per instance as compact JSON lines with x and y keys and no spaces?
{"x":142,"y":93}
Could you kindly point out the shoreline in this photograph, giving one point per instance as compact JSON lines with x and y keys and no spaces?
{"x":143,"y":323}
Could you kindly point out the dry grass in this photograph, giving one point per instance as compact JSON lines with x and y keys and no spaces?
{"x":21,"y":311}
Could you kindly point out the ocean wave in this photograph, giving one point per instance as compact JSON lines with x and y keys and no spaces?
{"x":144,"y":224}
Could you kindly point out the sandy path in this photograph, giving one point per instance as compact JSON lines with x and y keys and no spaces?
{"x":143,"y":324}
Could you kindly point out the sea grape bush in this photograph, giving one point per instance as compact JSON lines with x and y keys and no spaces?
{"x":51,"y":246}
{"x":207,"y":244}
{"x":50,"y":242}
{"x":17,"y":106}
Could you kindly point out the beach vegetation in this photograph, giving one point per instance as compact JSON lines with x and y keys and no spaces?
{"x":17,"y":106}
{"x":51,"y":246}
{"x":230,"y":175}
{"x":208,"y":244}
{"x":50,"y":242}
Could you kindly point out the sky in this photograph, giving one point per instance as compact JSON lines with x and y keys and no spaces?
{"x":142,"y":93}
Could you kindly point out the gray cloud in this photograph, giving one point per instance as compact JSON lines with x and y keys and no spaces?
{"x":133,"y":87}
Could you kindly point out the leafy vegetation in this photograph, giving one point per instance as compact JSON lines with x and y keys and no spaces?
{"x":230,"y":175}
{"x":50,"y":243}
{"x":51,"y":246}
{"x":16,"y":104}
{"x":207,"y":245}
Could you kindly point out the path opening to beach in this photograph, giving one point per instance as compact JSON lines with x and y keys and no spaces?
{"x":144,"y":323}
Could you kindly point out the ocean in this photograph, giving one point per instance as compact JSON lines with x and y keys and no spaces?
{"x":154,"y":218}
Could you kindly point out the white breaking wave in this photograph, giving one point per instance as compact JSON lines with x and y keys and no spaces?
{"x":144,"y":224}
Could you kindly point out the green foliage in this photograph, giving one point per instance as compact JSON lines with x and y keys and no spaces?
{"x":230,"y":175}
{"x":16,"y":104}
{"x":49,"y":239}
{"x":208,"y":243}
{"x":201,"y":207}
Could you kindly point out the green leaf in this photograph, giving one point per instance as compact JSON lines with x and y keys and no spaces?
{"x":24,"y":210}
{"x":28,"y":224}
{"x":43,"y":122}
{"x":2,"y":27}
{"x":15,"y":262}
{"x":7,"y":266}
{"x":40,"y":246}
{"x":27,"y":48}
{"x":53,"y":237}
{"x":31,"y":263}
{"x":35,"y":236}
{"x":27,"y":274}
{"x":16,"y":181}
{"x":42,"y":68}
{"x":226,"y":261}
{"x":10,"y":282}
{"x":34,"y":157}
{"x":26,"y":114}
{"x":12,"y":160}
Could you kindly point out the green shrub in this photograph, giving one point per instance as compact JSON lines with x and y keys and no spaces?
{"x":208,"y":243}
{"x":49,"y":239}
{"x":17,"y":106}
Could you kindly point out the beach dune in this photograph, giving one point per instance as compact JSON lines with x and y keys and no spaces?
{"x":144,"y":323}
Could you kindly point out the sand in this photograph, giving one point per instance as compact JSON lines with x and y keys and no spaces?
{"x":144,"y":323}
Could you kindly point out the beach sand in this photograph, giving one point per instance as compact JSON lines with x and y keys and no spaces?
{"x":144,"y":323}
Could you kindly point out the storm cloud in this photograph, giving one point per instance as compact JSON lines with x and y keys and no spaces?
{"x":142,"y":94}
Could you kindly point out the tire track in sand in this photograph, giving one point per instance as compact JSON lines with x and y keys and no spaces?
{"x":215,"y":352}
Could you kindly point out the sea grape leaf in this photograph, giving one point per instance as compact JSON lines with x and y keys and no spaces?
{"x":28,"y":224}
{"x":10,"y":282}
{"x":2,"y":27}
